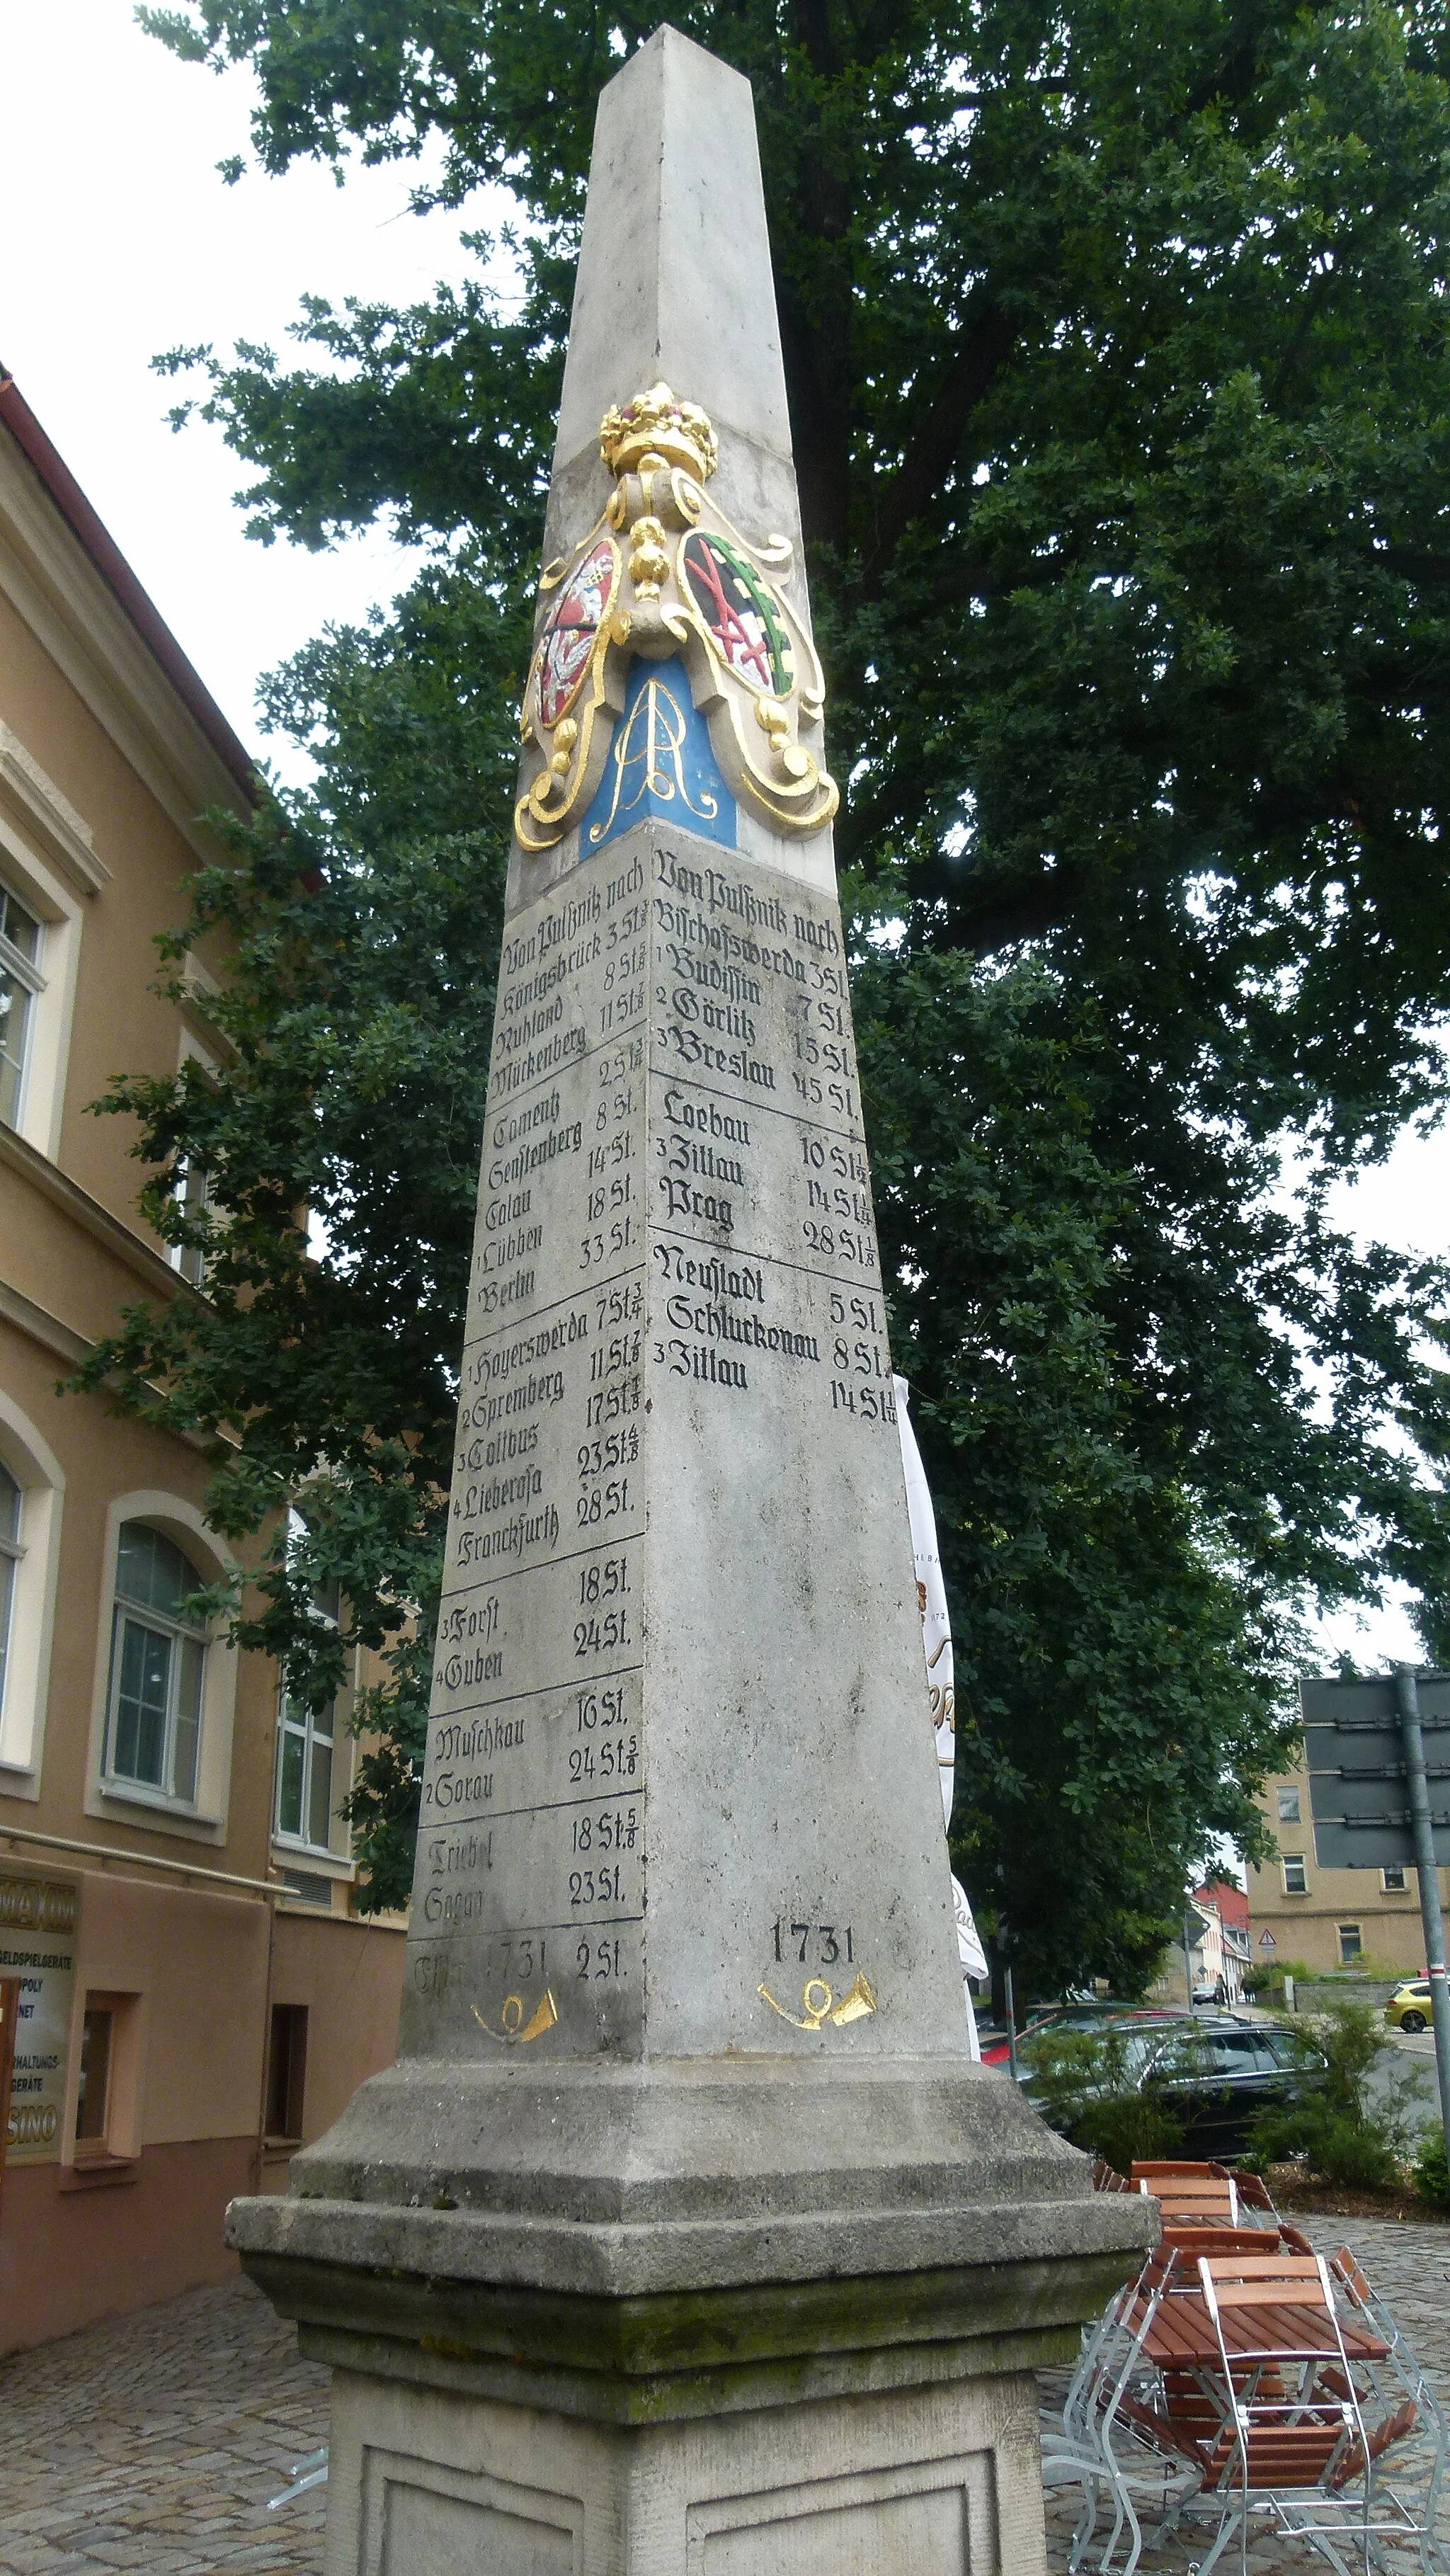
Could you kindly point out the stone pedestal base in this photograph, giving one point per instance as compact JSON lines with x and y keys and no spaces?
{"x":941,"y":2481}
{"x":728,"y":2318}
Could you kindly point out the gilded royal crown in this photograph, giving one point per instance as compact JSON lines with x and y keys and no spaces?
{"x":656,"y":424}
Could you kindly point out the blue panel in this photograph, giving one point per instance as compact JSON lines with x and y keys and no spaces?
{"x":661,"y":762}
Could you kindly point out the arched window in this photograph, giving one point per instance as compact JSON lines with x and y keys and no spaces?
{"x":158,"y":1663}
{"x":12,"y":1551}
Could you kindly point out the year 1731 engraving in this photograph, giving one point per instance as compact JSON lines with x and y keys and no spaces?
{"x":830,"y":1945}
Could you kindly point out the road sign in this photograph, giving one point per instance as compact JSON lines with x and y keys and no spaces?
{"x":1267,"y":1941}
{"x":1376,"y":1807}
{"x":1358,"y":1791}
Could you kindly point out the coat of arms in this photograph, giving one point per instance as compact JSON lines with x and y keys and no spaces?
{"x":681,"y":583}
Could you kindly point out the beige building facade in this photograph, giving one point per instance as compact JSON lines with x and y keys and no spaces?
{"x":1330,"y":1918}
{"x":194,"y":1995}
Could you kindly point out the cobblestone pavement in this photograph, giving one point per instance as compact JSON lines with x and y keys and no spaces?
{"x":1409,"y":2267}
{"x":154,"y":2442}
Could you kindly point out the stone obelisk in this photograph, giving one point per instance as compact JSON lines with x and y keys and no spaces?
{"x":683,"y":2238}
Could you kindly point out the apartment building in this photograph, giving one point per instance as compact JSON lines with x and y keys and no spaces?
{"x":191,"y":1994}
{"x":1329,"y":1918}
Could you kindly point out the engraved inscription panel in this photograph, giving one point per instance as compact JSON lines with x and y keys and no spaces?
{"x":676,"y":1480}
{"x":529,"y":1891}
{"x":786,"y":1664}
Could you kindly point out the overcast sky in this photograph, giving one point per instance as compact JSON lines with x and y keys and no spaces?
{"x":121,"y":240}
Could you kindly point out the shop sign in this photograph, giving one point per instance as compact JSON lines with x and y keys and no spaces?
{"x":38,"y":1945}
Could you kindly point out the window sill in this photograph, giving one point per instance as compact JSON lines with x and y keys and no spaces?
{"x":129,"y":1793}
{"x":313,"y":1856}
{"x":96,"y":2173}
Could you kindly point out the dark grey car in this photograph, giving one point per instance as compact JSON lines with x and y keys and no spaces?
{"x":1216,"y":2071}
{"x":1220,"y":2076}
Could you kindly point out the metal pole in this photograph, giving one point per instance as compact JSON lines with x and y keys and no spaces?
{"x":1010,"y":2011}
{"x":1431,"y":1914}
{"x":1188,"y":1960}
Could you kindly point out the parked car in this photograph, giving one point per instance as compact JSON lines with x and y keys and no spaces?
{"x":1097,"y":2015}
{"x":1409,"y":2007}
{"x":1217,"y":2072}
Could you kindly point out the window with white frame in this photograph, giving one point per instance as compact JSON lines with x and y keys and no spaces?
{"x":21,"y":981}
{"x":306,"y":1744}
{"x":1351,"y":1944}
{"x":158,"y":1664}
{"x":193,"y":1196}
{"x":1393,"y":1882}
{"x":1296,"y":1882}
{"x":1288,"y":1803}
{"x":12,"y":1551}
{"x":31,"y":1486}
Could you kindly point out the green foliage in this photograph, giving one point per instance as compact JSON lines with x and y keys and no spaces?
{"x":1352,"y":2154}
{"x":1432,"y":2170}
{"x":1082,"y":2082}
{"x":1116,"y":352}
{"x":1118,"y":1678}
{"x":1345,"y":2135}
{"x":1267,"y":1980}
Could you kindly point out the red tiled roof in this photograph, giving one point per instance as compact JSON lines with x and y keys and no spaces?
{"x":1232,"y":1903}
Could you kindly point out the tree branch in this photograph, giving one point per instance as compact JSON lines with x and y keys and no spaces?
{"x":978,"y":354}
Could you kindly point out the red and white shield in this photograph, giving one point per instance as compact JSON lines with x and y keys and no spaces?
{"x":573,"y":623}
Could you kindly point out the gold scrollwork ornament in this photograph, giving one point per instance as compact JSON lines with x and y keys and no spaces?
{"x":663,"y":572}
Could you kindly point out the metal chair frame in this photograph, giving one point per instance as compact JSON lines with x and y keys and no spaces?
{"x":1110,"y":2439}
{"x":1412,"y":2476}
{"x":1381,"y":2453}
{"x":1339,"y":2503}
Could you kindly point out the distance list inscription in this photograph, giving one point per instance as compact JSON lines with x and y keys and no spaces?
{"x":528,"y":1899}
{"x":674,"y":1205}
{"x":762,"y":1246}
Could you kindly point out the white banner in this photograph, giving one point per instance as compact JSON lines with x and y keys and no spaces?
{"x":936,"y":1638}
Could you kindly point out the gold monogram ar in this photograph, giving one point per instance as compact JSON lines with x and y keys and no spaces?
{"x":646,"y":755}
{"x":664,"y":573}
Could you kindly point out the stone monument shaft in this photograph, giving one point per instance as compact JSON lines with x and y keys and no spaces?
{"x":683,"y":2235}
{"x":680,"y":1794}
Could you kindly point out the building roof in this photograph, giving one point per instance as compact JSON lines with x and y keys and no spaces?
{"x":1231,"y":1902}
{"x":111,"y":564}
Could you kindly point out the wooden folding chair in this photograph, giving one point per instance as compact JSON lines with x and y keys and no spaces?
{"x":1251,"y":2189}
{"x":1291,"y":2441}
{"x":1144,"y":2168}
{"x":1254,"y":2193}
{"x":1187,"y":2198}
{"x":1188,"y":2236}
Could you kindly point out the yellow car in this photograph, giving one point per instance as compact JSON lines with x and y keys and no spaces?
{"x":1409,"y":2008}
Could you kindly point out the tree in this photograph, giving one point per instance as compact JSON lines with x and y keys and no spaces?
{"x":1116,"y":354}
